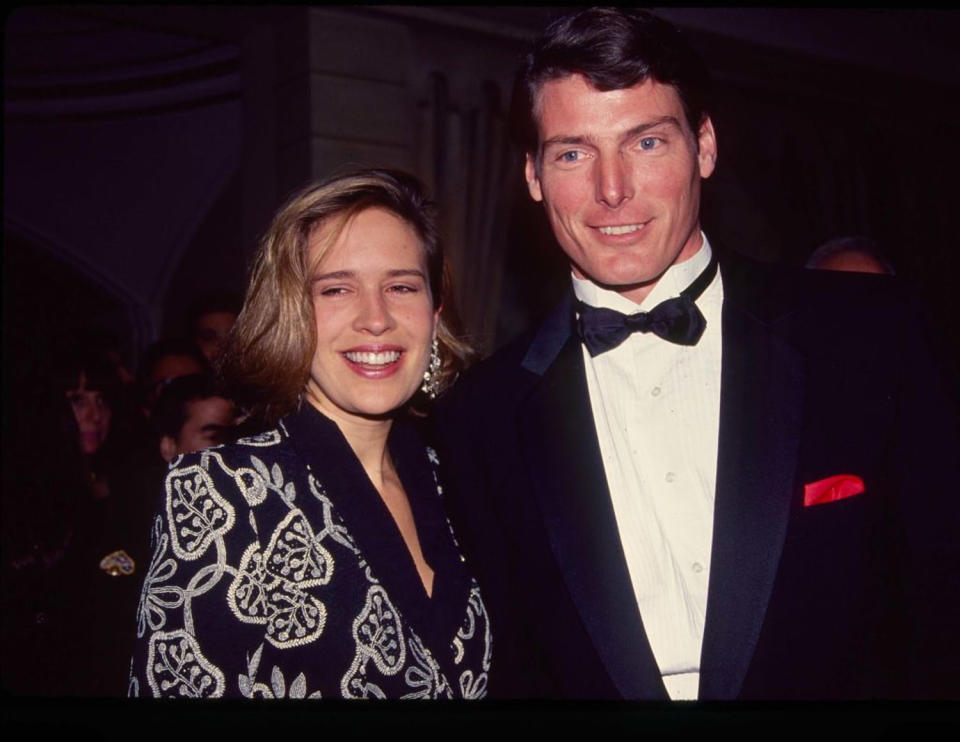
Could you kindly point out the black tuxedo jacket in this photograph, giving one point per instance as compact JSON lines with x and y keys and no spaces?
{"x":822,"y":374}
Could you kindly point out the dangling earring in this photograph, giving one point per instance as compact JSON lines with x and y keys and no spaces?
{"x":431,"y":377}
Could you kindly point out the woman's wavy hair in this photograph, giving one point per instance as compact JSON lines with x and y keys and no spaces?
{"x":266,"y":361}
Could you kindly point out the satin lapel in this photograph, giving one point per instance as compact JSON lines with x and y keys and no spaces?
{"x":760,"y":419}
{"x":563,"y":457}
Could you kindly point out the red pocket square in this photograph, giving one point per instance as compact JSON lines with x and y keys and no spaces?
{"x":831,"y":489}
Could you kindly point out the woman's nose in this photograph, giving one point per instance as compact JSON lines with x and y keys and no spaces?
{"x":374,"y":315}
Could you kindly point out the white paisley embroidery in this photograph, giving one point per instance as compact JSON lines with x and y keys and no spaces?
{"x":424,"y":674}
{"x":378,"y":636}
{"x":278,"y":688}
{"x":196,"y":512}
{"x":332,"y":526}
{"x":473,"y":687}
{"x":177,"y":668}
{"x":251,"y":486}
{"x":269,"y":587}
{"x":268,"y":438}
{"x":295,"y":554}
{"x":272,"y":479}
{"x":155,"y":598}
{"x":378,"y":633}
{"x":274,"y":576}
{"x":476,"y":614}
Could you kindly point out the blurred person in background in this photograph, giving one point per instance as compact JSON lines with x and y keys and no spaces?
{"x":74,"y":544}
{"x":190,"y":415}
{"x":163,"y":361}
{"x":856,"y":254}
{"x":211,"y":318}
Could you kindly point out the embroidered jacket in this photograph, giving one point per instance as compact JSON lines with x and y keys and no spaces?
{"x":278,"y":572}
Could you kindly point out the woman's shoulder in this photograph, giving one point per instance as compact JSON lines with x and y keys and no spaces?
{"x":248,"y":466}
{"x":268,"y":445}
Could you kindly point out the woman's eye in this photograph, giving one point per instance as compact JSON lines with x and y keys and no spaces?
{"x":333,"y":291}
{"x":403,"y":288}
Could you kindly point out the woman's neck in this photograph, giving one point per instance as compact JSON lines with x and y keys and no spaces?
{"x":367,"y":438}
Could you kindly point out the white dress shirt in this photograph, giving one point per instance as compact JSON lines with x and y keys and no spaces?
{"x":656,"y":408}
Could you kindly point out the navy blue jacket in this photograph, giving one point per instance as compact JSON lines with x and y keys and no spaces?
{"x":823,"y":374}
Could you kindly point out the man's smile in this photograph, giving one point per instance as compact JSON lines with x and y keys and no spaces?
{"x":621,"y":229}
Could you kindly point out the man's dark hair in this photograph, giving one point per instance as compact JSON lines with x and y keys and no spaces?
{"x":614,"y":48}
{"x":853,"y":244}
{"x":161,"y":349}
{"x":170,"y":411}
{"x":210,"y":302}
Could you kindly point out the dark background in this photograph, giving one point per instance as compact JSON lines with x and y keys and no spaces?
{"x":146,"y":147}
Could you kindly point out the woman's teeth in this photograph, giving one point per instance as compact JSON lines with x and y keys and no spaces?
{"x":373,"y":359}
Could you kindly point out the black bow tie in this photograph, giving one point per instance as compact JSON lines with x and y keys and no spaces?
{"x":677,"y":320}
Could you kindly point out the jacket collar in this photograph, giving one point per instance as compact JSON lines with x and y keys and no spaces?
{"x":760,"y":418}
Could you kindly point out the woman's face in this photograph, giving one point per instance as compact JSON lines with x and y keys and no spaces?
{"x":92,"y":414}
{"x":374,"y":315}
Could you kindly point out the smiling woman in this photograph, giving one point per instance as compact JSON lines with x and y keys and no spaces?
{"x":375,"y":315}
{"x":318,"y":553}
{"x":270,"y":352}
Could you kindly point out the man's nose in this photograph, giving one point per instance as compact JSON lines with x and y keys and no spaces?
{"x":374,"y":315}
{"x":614,"y":185}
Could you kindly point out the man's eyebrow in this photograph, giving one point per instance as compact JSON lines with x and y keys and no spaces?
{"x":641,"y":128}
{"x":565,"y":140}
{"x":630,"y":134}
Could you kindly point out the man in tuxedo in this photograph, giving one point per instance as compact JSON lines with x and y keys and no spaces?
{"x":693,"y":482}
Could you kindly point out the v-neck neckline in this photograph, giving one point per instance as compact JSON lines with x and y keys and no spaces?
{"x":327,"y":454}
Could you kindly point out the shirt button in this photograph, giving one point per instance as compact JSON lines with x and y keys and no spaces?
{"x":697,"y":567}
{"x":655,"y":392}
{"x":671,"y":477}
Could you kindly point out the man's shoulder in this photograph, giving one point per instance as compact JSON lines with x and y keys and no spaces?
{"x":503,"y":379}
{"x":524,"y":358}
{"x":488,"y":381}
{"x":775,"y":291}
{"x":862,"y":318}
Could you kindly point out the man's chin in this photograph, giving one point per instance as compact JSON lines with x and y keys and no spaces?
{"x":621,"y":281}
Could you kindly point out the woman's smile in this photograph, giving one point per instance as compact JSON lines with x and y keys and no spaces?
{"x":374,"y":313}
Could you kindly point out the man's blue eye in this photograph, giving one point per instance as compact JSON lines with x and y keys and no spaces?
{"x":648,"y":142}
{"x":572,"y":156}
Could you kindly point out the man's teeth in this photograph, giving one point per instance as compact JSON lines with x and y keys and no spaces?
{"x":625,"y":229}
{"x":374,"y":359}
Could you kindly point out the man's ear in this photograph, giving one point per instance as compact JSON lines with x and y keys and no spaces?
{"x":168,"y":448}
{"x":707,"y":148}
{"x":533,"y":179}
